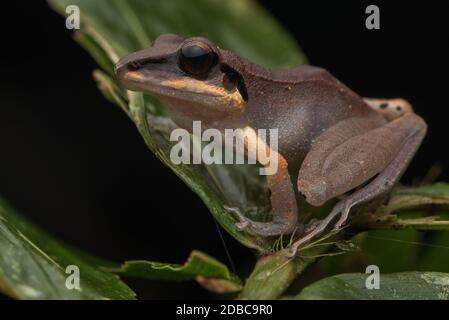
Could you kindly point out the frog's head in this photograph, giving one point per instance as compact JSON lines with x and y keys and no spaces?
{"x":192,"y":72}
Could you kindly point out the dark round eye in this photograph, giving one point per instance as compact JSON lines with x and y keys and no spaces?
{"x":196,"y":58}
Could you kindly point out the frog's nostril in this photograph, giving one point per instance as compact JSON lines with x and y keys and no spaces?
{"x":133,"y":65}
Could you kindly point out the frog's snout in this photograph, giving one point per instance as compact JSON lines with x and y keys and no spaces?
{"x":120,"y":68}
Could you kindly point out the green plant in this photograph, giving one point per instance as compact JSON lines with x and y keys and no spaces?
{"x":32,"y":263}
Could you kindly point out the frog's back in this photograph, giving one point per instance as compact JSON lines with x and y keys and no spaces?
{"x":301,"y":73}
{"x":314,"y":91}
{"x":306,"y":101}
{"x":312,"y":87}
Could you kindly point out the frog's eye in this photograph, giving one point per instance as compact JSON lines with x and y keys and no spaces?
{"x":196,"y":58}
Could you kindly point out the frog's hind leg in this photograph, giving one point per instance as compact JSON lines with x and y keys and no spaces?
{"x":333,"y":167}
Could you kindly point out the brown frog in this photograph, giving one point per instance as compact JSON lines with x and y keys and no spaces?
{"x":331,"y":141}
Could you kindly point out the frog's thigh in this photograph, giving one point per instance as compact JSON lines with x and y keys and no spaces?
{"x":342,"y":158}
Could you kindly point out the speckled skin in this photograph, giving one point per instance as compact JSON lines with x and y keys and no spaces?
{"x":330,"y":139}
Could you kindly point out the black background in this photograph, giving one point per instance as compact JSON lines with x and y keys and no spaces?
{"x":75,"y":164}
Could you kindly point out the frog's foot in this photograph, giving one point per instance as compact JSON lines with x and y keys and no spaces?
{"x":243,"y":221}
{"x":318,"y":227}
{"x":264,"y":229}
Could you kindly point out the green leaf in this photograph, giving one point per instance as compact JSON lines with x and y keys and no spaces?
{"x":114,"y":28}
{"x":408,"y":198}
{"x":436,"y":255}
{"x":275,"y":273}
{"x":409,"y":203}
{"x":239,"y":25}
{"x":200,"y":266}
{"x":394,"y":251}
{"x":395,"y":286}
{"x":33,"y":265}
{"x":97,"y":52}
{"x":401,"y":244}
{"x":271,"y":277}
{"x":395,"y":241}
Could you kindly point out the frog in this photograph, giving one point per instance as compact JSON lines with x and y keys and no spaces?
{"x":332,"y":143}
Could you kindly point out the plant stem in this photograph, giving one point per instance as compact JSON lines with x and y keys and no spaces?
{"x":427,"y":223}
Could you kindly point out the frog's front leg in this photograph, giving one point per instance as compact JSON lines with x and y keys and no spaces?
{"x":283,"y":198}
{"x":342,"y":158}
